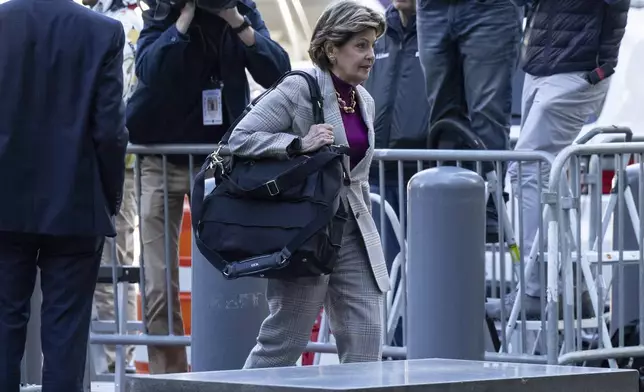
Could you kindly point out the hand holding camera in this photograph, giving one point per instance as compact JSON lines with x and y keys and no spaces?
{"x":231,"y":16}
{"x":187,"y":14}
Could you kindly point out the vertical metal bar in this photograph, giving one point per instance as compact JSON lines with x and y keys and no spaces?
{"x":566,"y":265}
{"x":191,"y":173}
{"x":166,"y":243}
{"x":383,"y":230}
{"x":576,"y":194}
{"x":499,"y":196}
{"x":121,"y":325}
{"x":115,"y":291}
{"x":540,"y":255}
{"x":621,"y":181}
{"x":495,"y":284}
{"x":598,"y":190}
{"x":554,"y":241}
{"x":592,"y":184}
{"x":402,"y":213}
{"x":139,"y":193}
{"x":640,"y":196}
{"x":521,"y":274}
{"x":383,"y":200}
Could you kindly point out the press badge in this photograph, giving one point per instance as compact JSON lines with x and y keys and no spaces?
{"x":212,"y":110}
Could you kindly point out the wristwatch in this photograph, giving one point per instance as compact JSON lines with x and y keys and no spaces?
{"x":243,"y":26}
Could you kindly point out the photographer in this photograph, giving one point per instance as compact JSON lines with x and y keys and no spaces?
{"x":192,"y":84}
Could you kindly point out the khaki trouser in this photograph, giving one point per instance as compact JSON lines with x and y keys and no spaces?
{"x":162,"y":359}
{"x":104,"y":295}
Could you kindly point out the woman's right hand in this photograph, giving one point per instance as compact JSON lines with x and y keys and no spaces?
{"x":319,"y":135}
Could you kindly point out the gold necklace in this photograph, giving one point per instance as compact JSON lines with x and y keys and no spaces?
{"x":343,"y":104}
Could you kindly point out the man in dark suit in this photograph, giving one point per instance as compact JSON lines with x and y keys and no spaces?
{"x":62,"y":154}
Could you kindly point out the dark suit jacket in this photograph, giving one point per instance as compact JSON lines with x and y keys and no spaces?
{"x":62,"y":132}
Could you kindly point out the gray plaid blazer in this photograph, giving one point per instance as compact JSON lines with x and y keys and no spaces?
{"x":285,"y":114}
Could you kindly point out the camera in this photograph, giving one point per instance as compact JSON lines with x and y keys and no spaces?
{"x":160,"y":9}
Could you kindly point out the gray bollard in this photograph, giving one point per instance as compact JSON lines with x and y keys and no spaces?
{"x":226,"y":315}
{"x":446,"y":265}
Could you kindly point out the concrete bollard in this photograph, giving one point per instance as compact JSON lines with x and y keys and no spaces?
{"x":226,"y":315}
{"x":446,"y":265}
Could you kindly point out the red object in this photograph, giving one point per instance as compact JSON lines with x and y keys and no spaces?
{"x":307,"y":358}
{"x":607,"y":178}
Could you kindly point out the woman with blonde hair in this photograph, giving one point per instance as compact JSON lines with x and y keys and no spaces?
{"x":281,"y":125}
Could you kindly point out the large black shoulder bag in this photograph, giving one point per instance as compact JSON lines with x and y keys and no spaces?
{"x":272,"y":218}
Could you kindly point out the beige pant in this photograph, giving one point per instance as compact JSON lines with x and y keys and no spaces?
{"x":104,"y":294}
{"x":162,"y":359}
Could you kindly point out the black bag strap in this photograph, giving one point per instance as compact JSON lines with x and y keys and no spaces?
{"x":294,"y":176}
{"x":316,"y":101}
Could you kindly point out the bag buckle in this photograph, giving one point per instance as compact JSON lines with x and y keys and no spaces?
{"x":272,"y":187}
{"x":215,"y":159}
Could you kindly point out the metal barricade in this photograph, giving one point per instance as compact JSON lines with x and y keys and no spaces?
{"x":589,"y":261}
{"x":505,"y":265}
{"x":122,"y":332}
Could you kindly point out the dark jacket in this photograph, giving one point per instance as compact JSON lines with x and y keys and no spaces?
{"x":397,"y":85}
{"x":174,"y":69}
{"x":62,"y":133}
{"x":573,"y":35}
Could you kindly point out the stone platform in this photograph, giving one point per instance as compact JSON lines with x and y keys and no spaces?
{"x":425,"y":375}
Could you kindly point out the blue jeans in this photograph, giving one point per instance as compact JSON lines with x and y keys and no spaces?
{"x":390,"y":243}
{"x":468,"y":50}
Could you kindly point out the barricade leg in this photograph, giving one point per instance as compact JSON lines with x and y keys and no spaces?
{"x":446,"y":236}
{"x":626,"y":285}
{"x":226,"y":315}
{"x":386,"y":207}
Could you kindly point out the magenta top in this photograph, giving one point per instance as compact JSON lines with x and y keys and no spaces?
{"x":354,"y":125}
